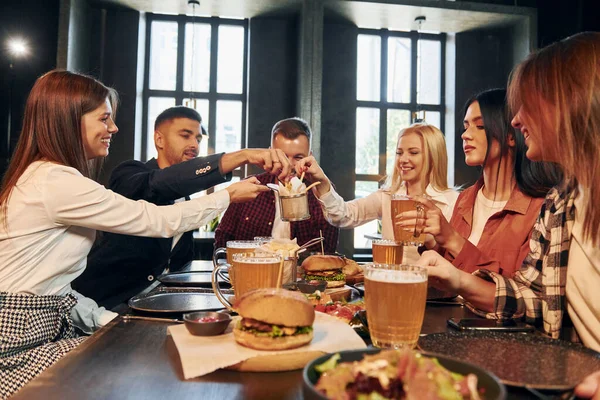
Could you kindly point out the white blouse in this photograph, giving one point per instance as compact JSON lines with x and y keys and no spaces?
{"x":377,"y":205}
{"x":52,"y":218}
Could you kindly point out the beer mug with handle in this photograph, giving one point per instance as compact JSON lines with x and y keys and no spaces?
{"x":402,"y":203}
{"x":233,"y":247}
{"x":247,"y":272}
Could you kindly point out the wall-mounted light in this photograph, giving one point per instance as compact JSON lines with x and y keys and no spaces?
{"x":17,"y":47}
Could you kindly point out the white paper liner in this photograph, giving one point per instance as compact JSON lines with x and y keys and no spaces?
{"x":201,"y":355}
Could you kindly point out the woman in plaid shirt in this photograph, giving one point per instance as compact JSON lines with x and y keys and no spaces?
{"x":555,"y":93}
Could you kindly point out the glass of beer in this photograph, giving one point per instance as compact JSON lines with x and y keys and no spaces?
{"x":395,"y":298}
{"x":249,"y":271}
{"x":402,"y":203}
{"x":387,"y":252}
{"x":234,"y":247}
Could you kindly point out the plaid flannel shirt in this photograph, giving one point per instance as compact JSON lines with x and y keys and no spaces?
{"x":537,"y":291}
{"x":244,"y":221}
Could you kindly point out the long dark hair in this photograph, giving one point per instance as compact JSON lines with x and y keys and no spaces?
{"x":533,"y":178}
{"x":52,"y":125}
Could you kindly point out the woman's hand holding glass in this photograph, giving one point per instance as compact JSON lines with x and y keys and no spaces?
{"x":435,"y":225}
{"x":441,"y":273}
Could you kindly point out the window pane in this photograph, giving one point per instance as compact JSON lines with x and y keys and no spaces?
{"x":364,"y":189}
{"x":202,"y":108}
{"x":398,"y":89}
{"x":156,"y":105}
{"x":229,"y":126}
{"x":163,"y":55}
{"x":368,"y":68}
{"x":429,"y":77}
{"x":197,"y":80}
{"x":367,"y":141}
{"x":396,"y":121}
{"x":433,"y":118}
{"x":230,"y":62}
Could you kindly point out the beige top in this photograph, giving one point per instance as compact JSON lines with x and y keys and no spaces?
{"x":482,"y":211}
{"x":583,"y":281}
{"x":377,"y":205}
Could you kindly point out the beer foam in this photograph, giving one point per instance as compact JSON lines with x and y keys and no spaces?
{"x":250,"y":244}
{"x":388,"y":243}
{"x":258,"y":260}
{"x":395,"y":276}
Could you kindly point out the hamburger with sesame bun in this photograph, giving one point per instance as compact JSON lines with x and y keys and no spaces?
{"x":325,"y":268}
{"x":273,"y":319}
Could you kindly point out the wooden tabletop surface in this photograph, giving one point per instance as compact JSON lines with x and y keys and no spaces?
{"x":136,"y":359}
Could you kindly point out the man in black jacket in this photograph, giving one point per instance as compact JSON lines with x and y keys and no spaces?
{"x":120,"y":266}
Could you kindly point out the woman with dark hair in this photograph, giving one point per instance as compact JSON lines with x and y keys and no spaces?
{"x":50,"y":210}
{"x":492,"y":220}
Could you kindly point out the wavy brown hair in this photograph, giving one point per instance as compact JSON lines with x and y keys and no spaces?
{"x":52,"y":126}
{"x":557,"y":93}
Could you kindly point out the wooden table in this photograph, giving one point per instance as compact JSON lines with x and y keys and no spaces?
{"x":137,"y":360}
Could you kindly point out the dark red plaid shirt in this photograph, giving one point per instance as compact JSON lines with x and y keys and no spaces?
{"x":244,"y":221}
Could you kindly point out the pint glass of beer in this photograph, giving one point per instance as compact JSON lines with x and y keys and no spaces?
{"x":402,"y":203}
{"x":247,"y":272}
{"x":387,"y":252}
{"x":395,"y":298}
{"x":234,"y":247}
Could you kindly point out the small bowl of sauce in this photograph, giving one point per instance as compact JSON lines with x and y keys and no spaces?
{"x":206,"y":323}
{"x":309,"y":287}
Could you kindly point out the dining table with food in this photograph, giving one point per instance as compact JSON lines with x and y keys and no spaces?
{"x":256,"y":325}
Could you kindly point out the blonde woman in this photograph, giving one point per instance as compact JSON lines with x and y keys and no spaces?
{"x":420,"y":168}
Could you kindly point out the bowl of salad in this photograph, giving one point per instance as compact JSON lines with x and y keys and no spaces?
{"x":375,"y":374}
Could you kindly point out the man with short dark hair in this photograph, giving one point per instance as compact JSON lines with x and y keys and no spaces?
{"x":120,"y":266}
{"x":261,"y":217}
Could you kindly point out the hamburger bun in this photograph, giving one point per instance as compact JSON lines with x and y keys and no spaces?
{"x":323,"y":263}
{"x":351,"y":267}
{"x":276,"y":307}
{"x":335,"y":284}
{"x":252,"y":341}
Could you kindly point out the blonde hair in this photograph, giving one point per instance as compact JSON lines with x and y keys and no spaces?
{"x":435,"y":158}
{"x":557,"y":93}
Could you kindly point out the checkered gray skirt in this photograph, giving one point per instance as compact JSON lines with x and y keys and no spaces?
{"x":35,"y":331}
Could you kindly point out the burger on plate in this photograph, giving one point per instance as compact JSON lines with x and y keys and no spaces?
{"x":274,"y":319}
{"x":325,"y":268}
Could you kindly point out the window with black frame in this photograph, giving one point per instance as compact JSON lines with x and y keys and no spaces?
{"x":400,"y":80}
{"x":201,"y":63}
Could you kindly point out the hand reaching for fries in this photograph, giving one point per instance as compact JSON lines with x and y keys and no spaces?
{"x":295,"y":186}
{"x":271,"y":160}
{"x":312,"y":172}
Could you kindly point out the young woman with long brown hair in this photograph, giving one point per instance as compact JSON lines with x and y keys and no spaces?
{"x":50,"y":209}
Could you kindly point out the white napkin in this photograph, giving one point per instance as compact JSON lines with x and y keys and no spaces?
{"x":201,"y":355}
{"x":297,"y":187}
